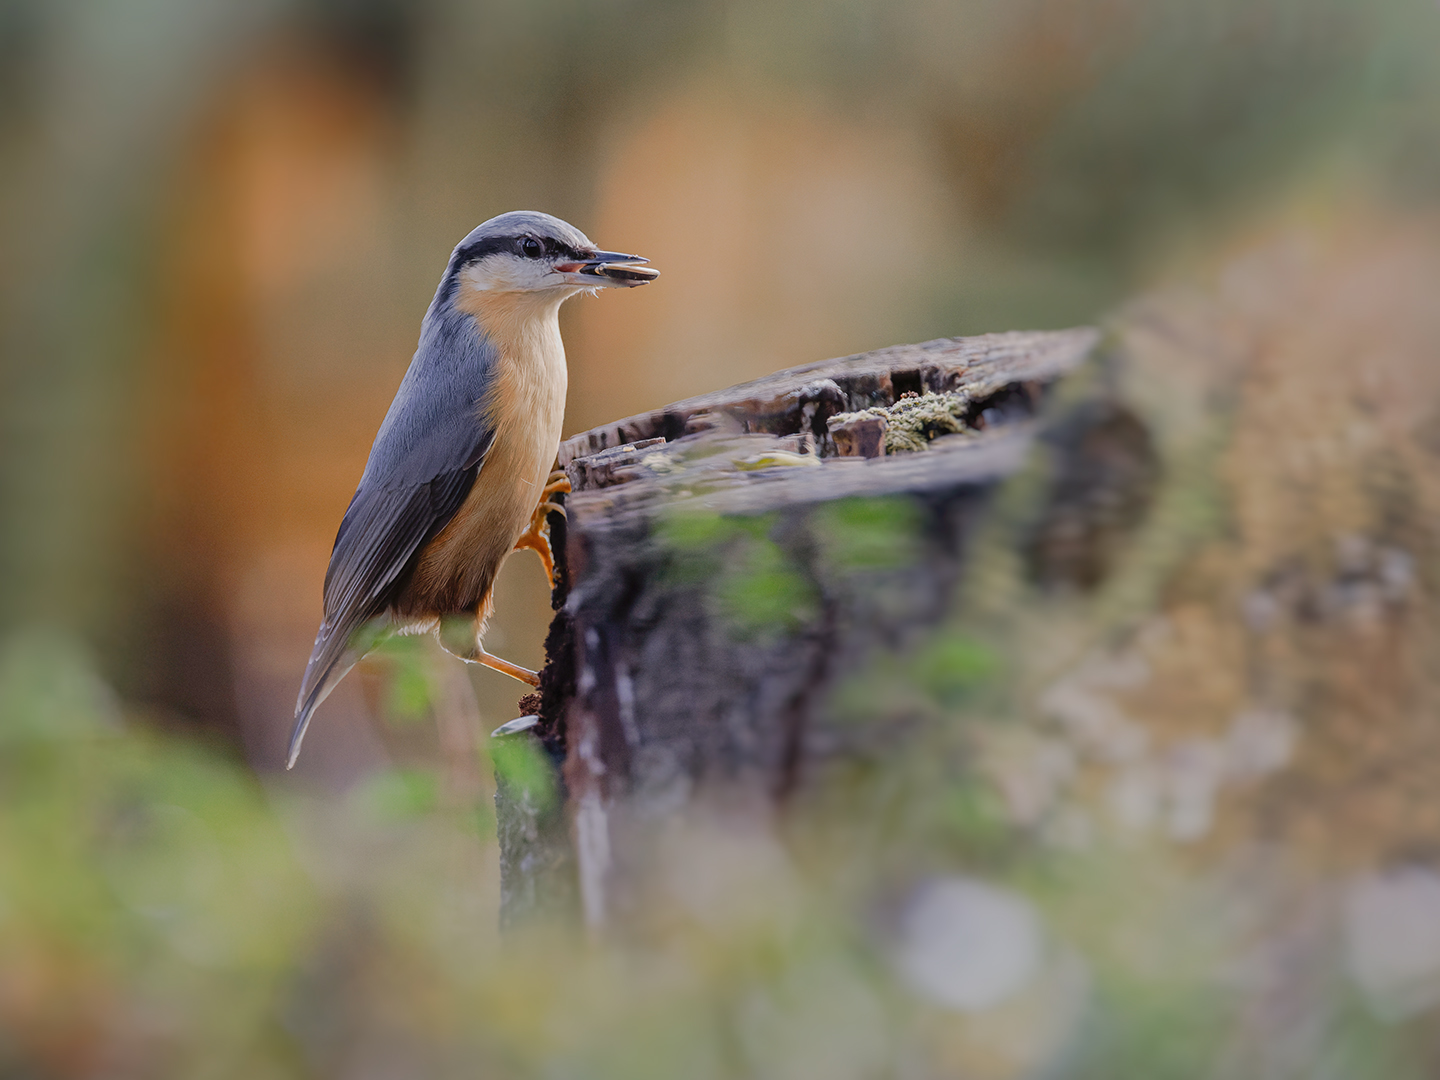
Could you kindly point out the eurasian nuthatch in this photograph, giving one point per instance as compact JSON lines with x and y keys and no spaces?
{"x":459,"y":475}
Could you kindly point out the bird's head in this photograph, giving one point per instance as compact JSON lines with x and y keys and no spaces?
{"x":525,"y":251}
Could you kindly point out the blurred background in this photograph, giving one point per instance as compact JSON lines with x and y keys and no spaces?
{"x":222,"y":222}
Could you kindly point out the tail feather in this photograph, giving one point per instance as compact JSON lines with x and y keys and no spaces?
{"x":336,"y":652}
{"x":309,"y":702}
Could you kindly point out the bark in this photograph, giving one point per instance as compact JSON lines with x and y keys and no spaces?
{"x":728,"y":561}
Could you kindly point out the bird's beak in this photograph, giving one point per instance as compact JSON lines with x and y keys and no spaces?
{"x":608,"y":268}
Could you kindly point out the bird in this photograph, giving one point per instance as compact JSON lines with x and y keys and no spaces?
{"x":459,"y":475}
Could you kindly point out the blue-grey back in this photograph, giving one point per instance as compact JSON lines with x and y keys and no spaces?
{"x":433,"y":425}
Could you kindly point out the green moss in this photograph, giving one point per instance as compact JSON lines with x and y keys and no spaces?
{"x":754,"y":584}
{"x":761,"y":590}
{"x":697,"y":541}
{"x":690,"y":530}
{"x":869,"y":534}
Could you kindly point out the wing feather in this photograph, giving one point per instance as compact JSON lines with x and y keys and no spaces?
{"x":424,"y":462}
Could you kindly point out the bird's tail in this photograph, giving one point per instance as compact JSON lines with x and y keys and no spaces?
{"x":337,"y":650}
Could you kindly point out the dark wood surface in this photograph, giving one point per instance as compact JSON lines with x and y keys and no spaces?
{"x":722,"y":571}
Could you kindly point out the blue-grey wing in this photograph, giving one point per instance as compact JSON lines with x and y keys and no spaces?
{"x":424,"y":462}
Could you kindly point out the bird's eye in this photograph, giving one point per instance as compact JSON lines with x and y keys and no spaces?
{"x":531,"y":248}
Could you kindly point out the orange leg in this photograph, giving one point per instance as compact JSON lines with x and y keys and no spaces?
{"x":537,"y":536}
{"x":505,"y":667}
{"x":460,"y":637}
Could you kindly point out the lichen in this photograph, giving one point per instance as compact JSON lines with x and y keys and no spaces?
{"x":916,"y":419}
{"x":774,"y":459}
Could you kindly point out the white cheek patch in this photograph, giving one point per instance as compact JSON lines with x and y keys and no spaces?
{"x":508,"y":273}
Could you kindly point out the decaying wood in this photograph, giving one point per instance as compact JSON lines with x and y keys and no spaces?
{"x":863,"y":436}
{"x":658,"y":682}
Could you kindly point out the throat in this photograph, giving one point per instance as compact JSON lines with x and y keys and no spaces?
{"x":515,"y":321}
{"x":527,"y":406}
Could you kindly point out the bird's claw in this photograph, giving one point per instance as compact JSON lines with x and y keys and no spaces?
{"x":537,"y":537}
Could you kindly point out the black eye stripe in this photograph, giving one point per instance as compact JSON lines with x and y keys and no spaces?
{"x":492,"y":245}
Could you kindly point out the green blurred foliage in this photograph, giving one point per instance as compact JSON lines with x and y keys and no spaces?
{"x":860,"y":535}
{"x":399,"y":794}
{"x":761,"y":591}
{"x":143,"y":882}
{"x":755,"y":585}
{"x":408,"y":694}
{"x":953,"y":665}
{"x":521,"y":764}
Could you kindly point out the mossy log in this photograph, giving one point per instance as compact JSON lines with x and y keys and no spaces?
{"x":725,"y":564}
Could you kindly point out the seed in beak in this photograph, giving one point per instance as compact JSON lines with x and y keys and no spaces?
{"x":627,"y":272}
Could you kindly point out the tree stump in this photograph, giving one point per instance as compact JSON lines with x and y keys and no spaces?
{"x":727,"y":562}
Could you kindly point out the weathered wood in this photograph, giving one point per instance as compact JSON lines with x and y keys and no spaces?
{"x":862,"y":437}
{"x":537,"y":869}
{"x":725,"y":567}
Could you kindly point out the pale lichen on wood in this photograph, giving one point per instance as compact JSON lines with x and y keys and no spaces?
{"x":908,"y":426}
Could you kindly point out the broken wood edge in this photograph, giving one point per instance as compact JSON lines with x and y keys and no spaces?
{"x":860,"y":381}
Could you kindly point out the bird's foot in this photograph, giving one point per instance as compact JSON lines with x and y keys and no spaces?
{"x":537,"y":536}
